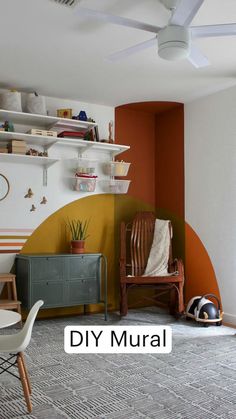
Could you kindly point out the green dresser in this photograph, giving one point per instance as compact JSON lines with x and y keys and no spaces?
{"x":62,"y":280}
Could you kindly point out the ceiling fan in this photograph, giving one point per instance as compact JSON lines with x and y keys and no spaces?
{"x":175,"y":39}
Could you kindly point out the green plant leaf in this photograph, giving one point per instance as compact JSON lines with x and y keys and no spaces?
{"x":78,"y":229}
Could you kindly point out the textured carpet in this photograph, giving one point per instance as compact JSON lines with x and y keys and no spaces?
{"x":196,"y":381}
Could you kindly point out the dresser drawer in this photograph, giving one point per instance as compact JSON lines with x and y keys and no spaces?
{"x":47,"y":269}
{"x":83,"y":267}
{"x":83,"y":291}
{"x":52,"y":293}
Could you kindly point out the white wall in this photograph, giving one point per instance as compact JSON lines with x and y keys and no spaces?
{"x":15,"y":209}
{"x":210,"y":182}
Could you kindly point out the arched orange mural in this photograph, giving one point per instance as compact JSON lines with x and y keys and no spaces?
{"x":199,"y":272}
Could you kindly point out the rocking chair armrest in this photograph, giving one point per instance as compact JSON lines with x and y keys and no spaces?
{"x":122,"y":263}
{"x":179,"y":267}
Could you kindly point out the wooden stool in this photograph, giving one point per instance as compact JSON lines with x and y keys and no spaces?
{"x":11,"y":303}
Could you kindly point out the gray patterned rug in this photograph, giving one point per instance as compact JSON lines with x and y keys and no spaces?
{"x":196,"y":381}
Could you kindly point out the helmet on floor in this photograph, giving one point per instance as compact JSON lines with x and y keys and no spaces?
{"x":204,"y":310}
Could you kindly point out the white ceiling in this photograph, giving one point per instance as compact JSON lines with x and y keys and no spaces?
{"x":47,"y":48}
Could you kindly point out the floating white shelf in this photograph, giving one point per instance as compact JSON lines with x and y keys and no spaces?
{"x":42,"y":120}
{"x":22,"y":158}
{"x":37,"y":140}
{"x":48,"y":122}
{"x":47,"y":142}
{"x":84,"y":145}
{"x":44,"y":162}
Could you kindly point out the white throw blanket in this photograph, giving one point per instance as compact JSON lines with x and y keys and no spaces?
{"x":157,"y":264}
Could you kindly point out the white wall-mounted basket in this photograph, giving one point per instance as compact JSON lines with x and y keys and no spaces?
{"x":85,"y":184}
{"x":86,"y":166}
{"x":116,"y":168}
{"x":116,"y":186}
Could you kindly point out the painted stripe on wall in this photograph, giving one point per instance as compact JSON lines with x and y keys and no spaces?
{"x":13,"y":239}
{"x":16,"y":230}
{"x":12,"y":242}
{"x":10,"y":251}
{"x":23,"y":237}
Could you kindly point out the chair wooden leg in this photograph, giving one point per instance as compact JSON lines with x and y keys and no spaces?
{"x":24,"y":382}
{"x":123,"y":300}
{"x":181,"y":298}
{"x":26,"y":372}
{"x":173,"y":293}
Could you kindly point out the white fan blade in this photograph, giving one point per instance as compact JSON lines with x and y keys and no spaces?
{"x":117,"y":20}
{"x":132,"y":50}
{"x":185,"y":12}
{"x":227,"y":29}
{"x":197,"y":59}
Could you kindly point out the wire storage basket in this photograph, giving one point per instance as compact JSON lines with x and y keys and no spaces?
{"x":85,"y":183}
{"x":116,"y":168}
{"x":115,"y":186}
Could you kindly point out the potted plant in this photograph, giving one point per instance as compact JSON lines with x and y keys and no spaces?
{"x":78,"y":230}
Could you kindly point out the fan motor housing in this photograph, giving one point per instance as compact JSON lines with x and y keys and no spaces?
{"x":174,"y":42}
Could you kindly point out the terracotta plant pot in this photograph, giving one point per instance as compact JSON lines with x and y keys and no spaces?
{"x":77,"y":246}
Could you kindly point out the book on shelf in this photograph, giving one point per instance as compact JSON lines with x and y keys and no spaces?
{"x":71,"y":134}
{"x":96,"y":133}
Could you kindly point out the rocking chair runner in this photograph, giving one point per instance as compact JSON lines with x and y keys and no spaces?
{"x":136,"y":242}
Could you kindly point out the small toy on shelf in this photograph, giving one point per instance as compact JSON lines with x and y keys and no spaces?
{"x":83,"y":116}
{"x":64,"y":113}
{"x":110,"y":129}
{"x":90,"y":120}
{"x":7,"y":126}
{"x":33,"y":152}
{"x":79,"y":118}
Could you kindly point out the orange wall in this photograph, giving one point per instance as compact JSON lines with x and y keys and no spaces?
{"x":155,"y":133}
{"x":137,"y":129}
{"x":170,"y":160}
{"x":199,"y":271}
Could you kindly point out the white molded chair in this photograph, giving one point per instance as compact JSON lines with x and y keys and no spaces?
{"x":15,"y":345}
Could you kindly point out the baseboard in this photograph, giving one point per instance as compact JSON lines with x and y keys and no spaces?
{"x":230,"y":319}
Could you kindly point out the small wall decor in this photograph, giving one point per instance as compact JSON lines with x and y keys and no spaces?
{"x":110,"y":128}
{"x":82,"y":116}
{"x":29,"y":193}
{"x":64,"y":113}
{"x":33,"y":208}
{"x":44,"y":200}
{"x":4,"y":187}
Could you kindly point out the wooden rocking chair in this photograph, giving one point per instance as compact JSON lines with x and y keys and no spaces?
{"x":136,"y":242}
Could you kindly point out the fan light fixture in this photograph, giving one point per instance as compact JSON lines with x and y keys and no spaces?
{"x":174,"y":43}
{"x":174,"y":40}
